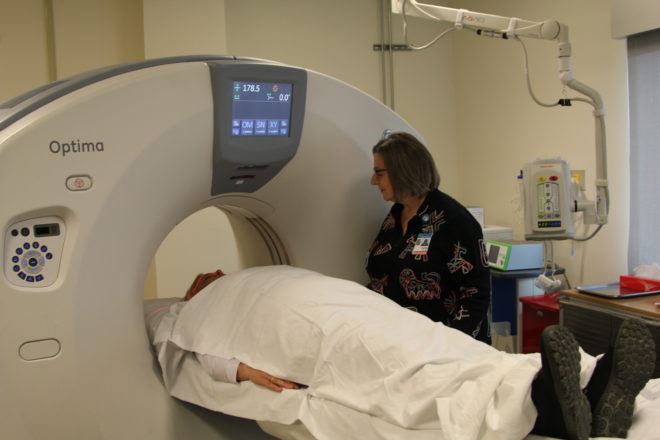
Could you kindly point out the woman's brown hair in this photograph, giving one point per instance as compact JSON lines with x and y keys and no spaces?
{"x":409,"y":164}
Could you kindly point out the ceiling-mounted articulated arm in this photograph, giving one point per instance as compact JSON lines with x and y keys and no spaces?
{"x":506,"y":27}
{"x":511,"y":27}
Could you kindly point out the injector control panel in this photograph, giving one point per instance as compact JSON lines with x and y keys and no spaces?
{"x":33,"y":250}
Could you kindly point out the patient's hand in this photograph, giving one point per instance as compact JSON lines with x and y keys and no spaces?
{"x":245,"y":372}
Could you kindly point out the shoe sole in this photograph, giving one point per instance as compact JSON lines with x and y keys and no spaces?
{"x":562,"y":356}
{"x":633,"y":363}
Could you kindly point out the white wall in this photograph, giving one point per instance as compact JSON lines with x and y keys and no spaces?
{"x":23,"y":50}
{"x":631,"y":17}
{"x":500,"y":128}
{"x":191,"y":27}
{"x":96,"y":33}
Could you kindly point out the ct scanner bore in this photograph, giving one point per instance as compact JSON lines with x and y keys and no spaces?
{"x":96,"y":170}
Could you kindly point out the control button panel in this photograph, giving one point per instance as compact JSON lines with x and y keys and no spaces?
{"x":33,"y":249}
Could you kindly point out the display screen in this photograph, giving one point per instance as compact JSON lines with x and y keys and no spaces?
{"x":493,"y":253}
{"x":549,"y":224}
{"x":261,"y":108}
{"x":46,"y":230}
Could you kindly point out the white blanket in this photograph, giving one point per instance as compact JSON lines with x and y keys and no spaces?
{"x":374,"y":370}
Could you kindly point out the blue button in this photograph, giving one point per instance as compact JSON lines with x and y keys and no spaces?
{"x":40,"y":277}
{"x":19,"y":251}
{"x":30,"y":279}
{"x":21,"y":275}
{"x":16,"y":268}
{"x":14,"y":259}
{"x":26,"y":246}
{"x":49,"y":256}
{"x":35,"y":245}
{"x":44,"y":248}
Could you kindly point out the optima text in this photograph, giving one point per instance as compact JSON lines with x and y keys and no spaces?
{"x":75,"y":146}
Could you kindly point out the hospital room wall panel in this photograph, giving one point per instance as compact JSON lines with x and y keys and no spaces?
{"x":193,"y":27}
{"x":23,"y":47}
{"x":501,"y":128}
{"x":89,"y":34}
{"x":634,"y":17}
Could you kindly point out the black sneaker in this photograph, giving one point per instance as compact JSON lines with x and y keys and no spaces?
{"x":563,"y":409}
{"x":619,"y":376}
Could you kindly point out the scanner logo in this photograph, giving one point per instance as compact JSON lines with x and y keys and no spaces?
{"x":75,"y":146}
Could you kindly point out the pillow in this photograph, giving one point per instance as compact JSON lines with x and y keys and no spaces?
{"x":154,"y":311}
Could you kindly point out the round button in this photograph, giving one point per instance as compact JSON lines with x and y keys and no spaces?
{"x":33,"y":262}
{"x":14,"y":232}
{"x":35,"y":245}
{"x":16,"y":268}
{"x":78,"y":183}
{"x":26,"y":246}
{"x":21,"y":275}
{"x":25,"y":232}
{"x":34,"y":270}
{"x":14,"y":259}
{"x":49,"y":256}
{"x":19,"y":251}
{"x":44,"y":248}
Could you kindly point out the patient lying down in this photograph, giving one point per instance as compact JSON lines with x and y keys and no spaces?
{"x":219,"y":368}
{"x":372,"y":369}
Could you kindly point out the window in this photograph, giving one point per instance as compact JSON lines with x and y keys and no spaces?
{"x":644,"y":89}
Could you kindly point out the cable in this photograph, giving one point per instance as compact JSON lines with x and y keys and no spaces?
{"x":590,"y":236}
{"x":563,"y":102}
{"x":527,"y":78}
{"x":405,"y":29}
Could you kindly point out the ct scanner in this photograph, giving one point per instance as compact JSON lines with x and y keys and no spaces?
{"x":94,"y":173}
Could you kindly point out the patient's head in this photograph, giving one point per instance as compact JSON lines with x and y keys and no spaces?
{"x":202,"y":280}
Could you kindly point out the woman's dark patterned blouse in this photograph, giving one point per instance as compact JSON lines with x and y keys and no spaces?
{"x":447,"y":278}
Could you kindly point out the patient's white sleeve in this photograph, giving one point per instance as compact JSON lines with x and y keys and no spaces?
{"x":220,"y":369}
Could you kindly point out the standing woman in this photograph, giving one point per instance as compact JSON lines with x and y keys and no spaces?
{"x":429,"y":254}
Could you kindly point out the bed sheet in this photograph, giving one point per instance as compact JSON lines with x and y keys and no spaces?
{"x":395,"y":376}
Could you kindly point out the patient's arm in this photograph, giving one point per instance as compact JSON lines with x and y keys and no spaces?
{"x":245,"y":372}
{"x":220,"y":369}
{"x":233,"y":371}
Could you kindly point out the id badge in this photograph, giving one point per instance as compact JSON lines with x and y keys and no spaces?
{"x":422,"y":244}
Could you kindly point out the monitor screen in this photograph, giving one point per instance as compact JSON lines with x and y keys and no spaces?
{"x":493,"y":253}
{"x":261,"y":108}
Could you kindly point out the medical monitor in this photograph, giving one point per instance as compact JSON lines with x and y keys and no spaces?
{"x":258,"y":117}
{"x":261,"y":108}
